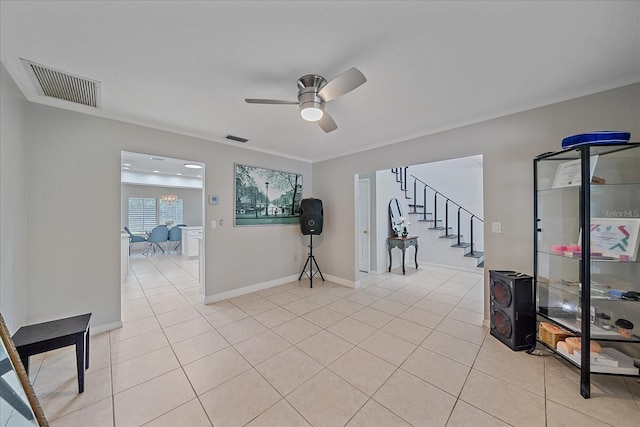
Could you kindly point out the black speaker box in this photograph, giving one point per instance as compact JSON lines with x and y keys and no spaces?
{"x":513,"y":319}
{"x":311,"y":216}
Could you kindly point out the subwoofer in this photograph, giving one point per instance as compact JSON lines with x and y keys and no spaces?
{"x":311,"y":216}
{"x":512,"y":309}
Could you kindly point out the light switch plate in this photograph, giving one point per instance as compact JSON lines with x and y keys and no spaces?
{"x":496,"y":227}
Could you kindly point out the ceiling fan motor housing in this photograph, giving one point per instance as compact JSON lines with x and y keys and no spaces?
{"x":308,"y":97}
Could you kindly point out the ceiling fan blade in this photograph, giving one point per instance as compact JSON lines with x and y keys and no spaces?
{"x":344,"y":83}
{"x":269,"y":101}
{"x":326,"y":123}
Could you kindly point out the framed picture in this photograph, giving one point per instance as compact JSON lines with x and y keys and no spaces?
{"x":615,"y":237}
{"x":266,"y":196}
{"x":569,"y":173}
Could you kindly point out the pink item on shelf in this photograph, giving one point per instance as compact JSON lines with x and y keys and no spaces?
{"x":574,"y":248}
{"x":558,"y":248}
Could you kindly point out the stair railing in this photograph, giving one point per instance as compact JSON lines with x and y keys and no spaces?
{"x":435,"y":209}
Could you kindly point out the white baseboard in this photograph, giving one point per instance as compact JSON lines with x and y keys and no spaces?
{"x":452,"y":267}
{"x":341,"y":281}
{"x":270,"y":284}
{"x":106,"y":327}
{"x":208,"y":299}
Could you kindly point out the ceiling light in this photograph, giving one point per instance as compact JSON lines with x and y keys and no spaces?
{"x":179,"y":173}
{"x":157,"y":171}
{"x":192,"y":166}
{"x":127,"y":165}
{"x":311,"y":111}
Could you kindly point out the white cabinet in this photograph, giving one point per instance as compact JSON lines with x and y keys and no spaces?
{"x":124,"y":256}
{"x":190,"y":245}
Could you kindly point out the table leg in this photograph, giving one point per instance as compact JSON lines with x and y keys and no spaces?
{"x":86,"y":344}
{"x":416,"y":255}
{"x":389,"y":247}
{"x":403,"y":251}
{"x":80,"y":356}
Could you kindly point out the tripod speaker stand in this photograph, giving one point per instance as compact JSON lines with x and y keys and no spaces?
{"x":310,"y":261}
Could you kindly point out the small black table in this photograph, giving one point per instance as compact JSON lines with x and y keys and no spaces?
{"x":42,"y":337}
{"x":403,"y":243}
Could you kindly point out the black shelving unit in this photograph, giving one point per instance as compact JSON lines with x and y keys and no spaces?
{"x":576,"y":271}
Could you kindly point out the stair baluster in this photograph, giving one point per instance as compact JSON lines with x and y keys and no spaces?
{"x":458,"y":231}
{"x":471,"y":228}
{"x":424,"y":198}
{"x":446,"y":218}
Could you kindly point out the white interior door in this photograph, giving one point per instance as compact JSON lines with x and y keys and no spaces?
{"x":364,"y":239}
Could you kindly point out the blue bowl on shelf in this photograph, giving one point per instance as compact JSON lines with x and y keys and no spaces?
{"x":598,"y":137}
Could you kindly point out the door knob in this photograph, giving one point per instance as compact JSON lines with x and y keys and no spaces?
{"x":364,"y":231}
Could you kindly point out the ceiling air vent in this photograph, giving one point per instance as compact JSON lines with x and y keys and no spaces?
{"x":236,"y":138}
{"x":62,"y":85}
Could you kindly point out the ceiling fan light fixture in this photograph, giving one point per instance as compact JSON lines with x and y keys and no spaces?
{"x":311,"y":111}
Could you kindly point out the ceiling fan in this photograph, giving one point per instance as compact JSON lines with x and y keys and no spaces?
{"x":314,"y":92}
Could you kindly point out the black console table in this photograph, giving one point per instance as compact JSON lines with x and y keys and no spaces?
{"x":42,"y":337}
{"x":403,"y":243}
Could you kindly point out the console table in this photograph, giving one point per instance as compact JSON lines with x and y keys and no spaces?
{"x":42,"y":337}
{"x":402,"y":243}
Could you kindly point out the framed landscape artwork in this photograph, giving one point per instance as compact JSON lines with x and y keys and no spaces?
{"x":266,"y":196}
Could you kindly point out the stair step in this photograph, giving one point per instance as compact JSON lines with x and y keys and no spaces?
{"x":449,"y":236}
{"x":461,"y":245}
{"x":474,"y":254}
{"x":429,"y":220}
{"x":481,"y":264}
{"x":416,"y":206}
{"x":440,"y":228}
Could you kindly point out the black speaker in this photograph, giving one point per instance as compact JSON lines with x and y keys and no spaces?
{"x":311,"y":216}
{"x":513,"y":319}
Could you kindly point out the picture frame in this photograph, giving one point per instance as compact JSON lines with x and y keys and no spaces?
{"x":15,"y":388}
{"x":266,"y":196}
{"x":615,"y":237}
{"x":569,"y":173}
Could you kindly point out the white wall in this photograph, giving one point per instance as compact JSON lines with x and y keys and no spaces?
{"x":71,"y":201}
{"x":13,"y":203}
{"x":508,"y":145}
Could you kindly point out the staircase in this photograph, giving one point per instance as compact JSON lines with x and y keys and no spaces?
{"x":430,"y":212}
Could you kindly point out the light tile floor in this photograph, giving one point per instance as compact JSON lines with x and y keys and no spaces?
{"x":401,"y":350}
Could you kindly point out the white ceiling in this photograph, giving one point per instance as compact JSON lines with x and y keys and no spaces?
{"x":154,"y":164}
{"x":187,"y":66}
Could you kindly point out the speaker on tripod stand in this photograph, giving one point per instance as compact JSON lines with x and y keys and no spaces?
{"x":311,"y":220}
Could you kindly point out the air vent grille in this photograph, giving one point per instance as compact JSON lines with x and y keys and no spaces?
{"x":62,"y":85}
{"x":236,"y":138}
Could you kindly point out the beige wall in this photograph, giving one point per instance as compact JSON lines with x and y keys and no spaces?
{"x":13,"y":203}
{"x":508,"y":145}
{"x":75,"y":212}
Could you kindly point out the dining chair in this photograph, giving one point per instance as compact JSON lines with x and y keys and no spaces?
{"x":175,"y":235}
{"x":133,"y":238}
{"x":158,"y":235}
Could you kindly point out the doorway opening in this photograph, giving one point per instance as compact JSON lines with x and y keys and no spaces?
{"x":162,"y":218}
{"x":457,"y":181}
